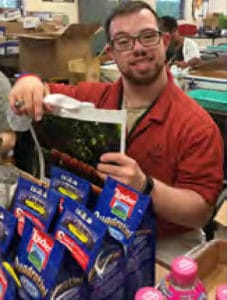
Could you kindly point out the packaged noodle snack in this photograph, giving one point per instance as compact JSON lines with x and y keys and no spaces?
{"x":39,"y":258}
{"x":9,"y":282}
{"x":72,"y":187}
{"x":140,"y":260}
{"x":106,"y":280}
{"x":8,"y":232}
{"x":34,"y":202}
{"x":70,"y":283}
{"x":121,"y":208}
{"x":82,"y":233}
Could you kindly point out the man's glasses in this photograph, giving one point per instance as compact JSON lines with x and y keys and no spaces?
{"x":127,"y":42}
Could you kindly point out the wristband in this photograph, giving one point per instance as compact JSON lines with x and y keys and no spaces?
{"x":148,"y":186}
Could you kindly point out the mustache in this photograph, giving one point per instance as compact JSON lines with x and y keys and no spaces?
{"x":140,"y":53}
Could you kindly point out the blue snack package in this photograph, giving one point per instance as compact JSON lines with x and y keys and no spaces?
{"x":106,"y":280}
{"x":70,"y":283}
{"x":8,"y":232}
{"x":38,"y":260}
{"x":34,"y":202}
{"x":71,"y":187}
{"x":121,"y":208}
{"x":141,"y":262}
{"x":9,"y":282}
{"x":82,"y":233}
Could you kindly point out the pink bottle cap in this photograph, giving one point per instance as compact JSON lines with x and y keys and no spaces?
{"x":184,"y":270}
{"x":221,"y":292}
{"x":148,"y":293}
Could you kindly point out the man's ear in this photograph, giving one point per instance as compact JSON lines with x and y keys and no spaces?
{"x":109,"y":51}
{"x":166,"y":39}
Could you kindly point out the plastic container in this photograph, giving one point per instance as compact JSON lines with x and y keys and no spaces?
{"x":215,"y":102}
{"x":210,"y":99}
{"x":221,"y":292}
{"x":148,"y":293}
{"x":182,"y":282}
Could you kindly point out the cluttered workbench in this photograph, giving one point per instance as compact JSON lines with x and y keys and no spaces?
{"x":206,"y":79}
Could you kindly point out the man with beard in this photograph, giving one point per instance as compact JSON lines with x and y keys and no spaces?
{"x":174,"y":150}
{"x":181,"y":49}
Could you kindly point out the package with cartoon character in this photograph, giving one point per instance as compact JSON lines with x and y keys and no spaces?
{"x":34,"y":202}
{"x":38,"y":261}
{"x":71,"y":187}
{"x":82,"y":233}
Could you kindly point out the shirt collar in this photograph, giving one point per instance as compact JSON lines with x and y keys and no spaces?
{"x":158,"y":111}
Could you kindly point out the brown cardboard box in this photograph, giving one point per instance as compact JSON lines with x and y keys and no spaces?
{"x":13,"y":27}
{"x":221,"y":221}
{"x":84,"y":70}
{"x":211,"y":20}
{"x":47,"y":53}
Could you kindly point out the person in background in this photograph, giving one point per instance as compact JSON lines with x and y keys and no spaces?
{"x":174,"y":149}
{"x":7,"y":136}
{"x":217,"y":63}
{"x":181,"y":49}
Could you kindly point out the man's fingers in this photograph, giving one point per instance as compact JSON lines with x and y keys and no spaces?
{"x":109,"y":169}
{"x":38,"y":94}
{"x":28,"y":91}
{"x":102,"y":175}
{"x":14,"y":103}
{"x":12,"y":100}
{"x":114,"y":157}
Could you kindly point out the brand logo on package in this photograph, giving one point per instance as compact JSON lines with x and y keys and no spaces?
{"x":123,"y":202}
{"x":39,"y":249}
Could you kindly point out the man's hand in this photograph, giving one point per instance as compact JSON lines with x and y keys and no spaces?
{"x":29,"y":93}
{"x":121,"y":168}
{"x":195,"y":62}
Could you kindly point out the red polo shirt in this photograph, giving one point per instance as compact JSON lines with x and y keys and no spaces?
{"x":176,"y":142}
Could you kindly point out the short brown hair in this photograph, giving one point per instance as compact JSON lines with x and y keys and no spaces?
{"x":126,"y":8}
{"x":168,"y":24}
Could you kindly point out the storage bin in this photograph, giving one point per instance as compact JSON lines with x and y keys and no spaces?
{"x":215,"y":102}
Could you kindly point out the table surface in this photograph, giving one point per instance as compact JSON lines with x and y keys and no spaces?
{"x":221,"y":74}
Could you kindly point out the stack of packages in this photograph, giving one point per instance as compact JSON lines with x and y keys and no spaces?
{"x":65,"y":242}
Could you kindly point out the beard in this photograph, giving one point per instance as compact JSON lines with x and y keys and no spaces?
{"x":145,"y":77}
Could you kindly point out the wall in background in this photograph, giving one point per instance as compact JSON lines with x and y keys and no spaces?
{"x":218,"y":6}
{"x":71,"y":9}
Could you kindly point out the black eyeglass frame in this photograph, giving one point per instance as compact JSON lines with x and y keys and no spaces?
{"x":137,"y":37}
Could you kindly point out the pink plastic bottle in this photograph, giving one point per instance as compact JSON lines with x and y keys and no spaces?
{"x":221,"y":292}
{"x":148,"y":293}
{"x":182,"y":282}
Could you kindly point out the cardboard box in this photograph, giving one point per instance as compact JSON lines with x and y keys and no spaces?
{"x":84,"y":70}
{"x":48,"y":53}
{"x":12,"y":28}
{"x":212,"y":265}
{"x":221,"y":220}
{"x":211,"y":20}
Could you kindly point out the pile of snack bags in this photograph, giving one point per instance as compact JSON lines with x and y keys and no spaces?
{"x":65,"y":242}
